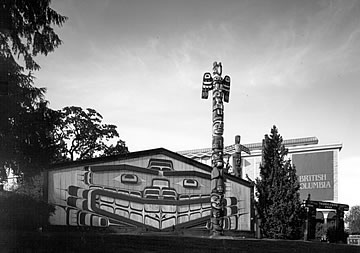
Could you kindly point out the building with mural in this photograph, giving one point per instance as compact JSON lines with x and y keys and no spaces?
{"x":152,"y":190}
{"x":160,"y":190}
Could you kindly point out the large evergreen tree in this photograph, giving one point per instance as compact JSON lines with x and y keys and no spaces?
{"x":26,"y":123}
{"x":277,"y":191}
{"x":26,"y":29}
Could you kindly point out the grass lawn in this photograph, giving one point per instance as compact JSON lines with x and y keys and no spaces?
{"x":15,"y":241}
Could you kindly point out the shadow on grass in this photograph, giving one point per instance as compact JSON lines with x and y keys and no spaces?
{"x":15,"y":241}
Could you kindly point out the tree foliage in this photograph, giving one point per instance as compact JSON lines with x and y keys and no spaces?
{"x":27,"y":29}
{"x":278,"y":204}
{"x":33,"y":188}
{"x":32,"y":135}
{"x":26,"y":122}
{"x":81,"y":135}
{"x":353,"y":219}
{"x":26,"y":143}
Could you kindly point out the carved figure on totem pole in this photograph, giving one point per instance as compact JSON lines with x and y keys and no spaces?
{"x":221,"y":92}
{"x":237,"y":158}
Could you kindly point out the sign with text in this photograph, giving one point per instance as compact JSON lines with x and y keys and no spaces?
{"x":315,"y":174}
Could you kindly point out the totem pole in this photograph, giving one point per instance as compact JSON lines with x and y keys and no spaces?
{"x":237,"y":157}
{"x":221,"y":91}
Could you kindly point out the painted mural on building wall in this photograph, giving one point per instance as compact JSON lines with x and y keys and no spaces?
{"x":155,"y":197}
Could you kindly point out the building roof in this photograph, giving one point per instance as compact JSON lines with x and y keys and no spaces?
{"x":229,"y":150}
{"x":131,"y":155}
{"x":138,"y":154}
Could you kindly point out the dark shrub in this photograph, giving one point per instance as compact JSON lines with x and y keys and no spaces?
{"x":331,"y":234}
{"x":21,"y":212}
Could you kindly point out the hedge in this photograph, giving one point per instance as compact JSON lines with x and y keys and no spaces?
{"x":22,"y":212}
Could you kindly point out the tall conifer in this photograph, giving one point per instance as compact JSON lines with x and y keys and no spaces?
{"x":26,"y":122}
{"x":278,"y":202}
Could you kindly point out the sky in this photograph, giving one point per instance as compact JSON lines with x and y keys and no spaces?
{"x":293,"y":64}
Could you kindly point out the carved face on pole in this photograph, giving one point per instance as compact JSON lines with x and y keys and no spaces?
{"x":217,"y":143}
{"x":217,"y":68}
{"x":218,"y":127}
{"x":216,"y":201}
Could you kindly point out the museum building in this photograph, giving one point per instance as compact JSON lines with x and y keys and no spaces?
{"x":316,"y":166}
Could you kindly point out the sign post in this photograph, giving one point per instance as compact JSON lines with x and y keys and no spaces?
{"x":221,"y":91}
{"x":310,"y":222}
